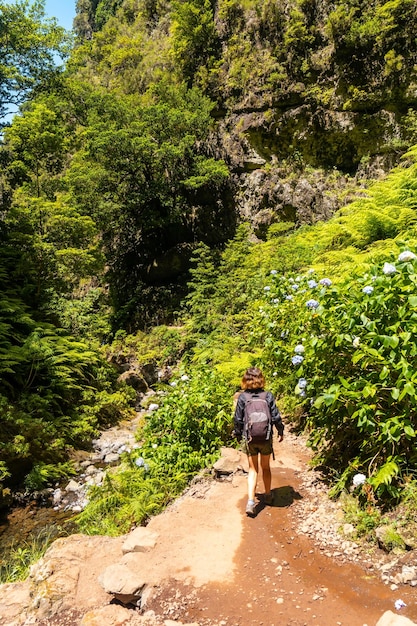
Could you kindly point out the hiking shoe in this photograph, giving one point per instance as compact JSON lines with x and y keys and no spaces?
{"x":269,"y":498}
{"x":250,"y":508}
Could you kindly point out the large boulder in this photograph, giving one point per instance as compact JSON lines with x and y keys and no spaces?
{"x":140,"y":540}
{"x":391,"y":619}
{"x":123,"y":583}
{"x":135,"y":380}
{"x":230,"y":462}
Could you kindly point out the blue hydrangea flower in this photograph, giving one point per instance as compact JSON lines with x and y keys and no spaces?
{"x":368,"y":290}
{"x":273,"y":272}
{"x":312,"y":284}
{"x":326,"y":282}
{"x":302,"y":393}
{"x":295,"y":286}
{"x":284,"y":334}
{"x":407,"y":255}
{"x":312,"y":304}
{"x":297,"y":359}
{"x":140,"y":462}
{"x":299,"y":349}
{"x":389,"y":269}
{"x":289,"y":297}
{"x":302,"y":383}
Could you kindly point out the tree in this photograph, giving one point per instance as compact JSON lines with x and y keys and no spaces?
{"x":194,"y":39}
{"x":29,"y":44}
{"x":37,"y":144}
{"x":144,"y":178}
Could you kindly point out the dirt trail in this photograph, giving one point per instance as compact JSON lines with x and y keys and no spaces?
{"x":275,"y":576}
{"x":213,"y":566}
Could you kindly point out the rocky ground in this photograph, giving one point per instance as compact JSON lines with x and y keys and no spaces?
{"x":203,"y":562}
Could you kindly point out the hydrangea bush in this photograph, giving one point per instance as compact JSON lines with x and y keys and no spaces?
{"x":348,"y":355}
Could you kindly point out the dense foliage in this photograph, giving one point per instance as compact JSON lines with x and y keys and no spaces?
{"x":118,"y":217}
{"x":178,"y":440}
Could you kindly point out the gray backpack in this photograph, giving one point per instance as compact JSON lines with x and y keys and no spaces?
{"x":257,"y":421}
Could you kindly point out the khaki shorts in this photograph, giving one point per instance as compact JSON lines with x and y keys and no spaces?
{"x":253,"y":449}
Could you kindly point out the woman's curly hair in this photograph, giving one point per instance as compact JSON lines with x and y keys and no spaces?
{"x":253,"y":379}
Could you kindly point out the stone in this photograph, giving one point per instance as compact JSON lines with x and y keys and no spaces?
{"x":110,"y":614}
{"x":391,"y":619}
{"x":124,"y":584}
{"x":407,"y":574}
{"x":389,"y":539}
{"x":170,"y":622}
{"x":15,"y":597}
{"x":149,"y":372}
{"x":133,"y":379}
{"x":112,"y":458}
{"x":348,"y":529}
{"x":72,"y":486}
{"x":140,"y":540}
{"x":230,"y":461}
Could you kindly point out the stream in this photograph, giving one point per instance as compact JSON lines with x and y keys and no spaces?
{"x":32,"y":524}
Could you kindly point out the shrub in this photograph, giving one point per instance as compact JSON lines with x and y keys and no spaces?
{"x":347,"y":352}
{"x":178,"y":440}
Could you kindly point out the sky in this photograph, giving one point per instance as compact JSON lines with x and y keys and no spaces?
{"x":63,"y":10}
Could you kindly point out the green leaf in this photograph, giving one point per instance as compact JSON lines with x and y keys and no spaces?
{"x":409,"y":431}
{"x":384,"y":373}
{"x":385,"y":475}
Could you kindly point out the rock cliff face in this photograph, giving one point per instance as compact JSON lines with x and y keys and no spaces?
{"x":314,"y":95}
{"x":311,"y":95}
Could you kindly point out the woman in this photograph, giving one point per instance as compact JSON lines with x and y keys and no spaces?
{"x":253,"y":383}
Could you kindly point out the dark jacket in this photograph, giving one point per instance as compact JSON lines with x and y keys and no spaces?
{"x":240,"y":411}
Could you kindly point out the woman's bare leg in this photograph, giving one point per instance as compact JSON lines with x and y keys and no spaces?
{"x":252,"y":476}
{"x":266,"y":472}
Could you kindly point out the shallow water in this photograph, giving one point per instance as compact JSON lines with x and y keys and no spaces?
{"x":21,"y":526}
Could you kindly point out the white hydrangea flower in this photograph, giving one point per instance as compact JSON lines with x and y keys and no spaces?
{"x":407,"y":255}
{"x":358,"y":480}
{"x":356,"y":342}
{"x":299,"y":349}
{"x":389,"y":269}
